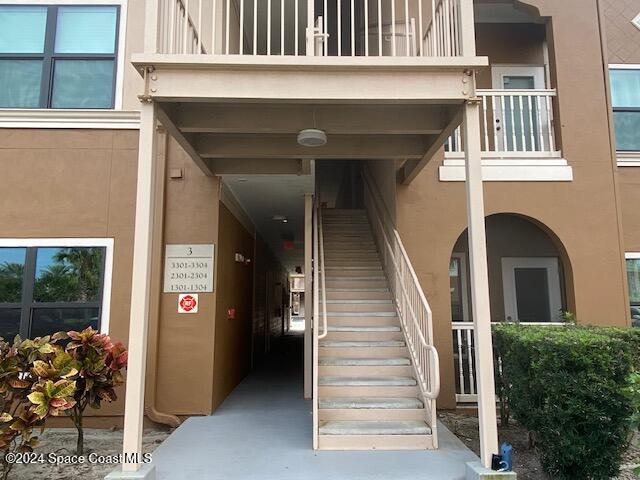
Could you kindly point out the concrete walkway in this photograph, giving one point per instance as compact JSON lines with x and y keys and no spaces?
{"x":263,"y":431}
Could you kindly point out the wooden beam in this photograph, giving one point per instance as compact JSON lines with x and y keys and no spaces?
{"x":291,"y":118}
{"x":165,"y":118}
{"x":412,"y":168}
{"x":253,"y":166}
{"x":363,"y":147}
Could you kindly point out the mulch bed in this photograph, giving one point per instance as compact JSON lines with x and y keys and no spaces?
{"x":526,"y":462}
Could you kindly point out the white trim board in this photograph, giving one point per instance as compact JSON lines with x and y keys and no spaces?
{"x":78,"y":242}
{"x":628,"y":159}
{"x":624,"y":66}
{"x":122,"y":34}
{"x":54,"y":118}
{"x":632,"y":256}
{"x":510,"y":170}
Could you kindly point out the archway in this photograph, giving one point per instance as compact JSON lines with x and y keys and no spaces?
{"x":530,"y":281}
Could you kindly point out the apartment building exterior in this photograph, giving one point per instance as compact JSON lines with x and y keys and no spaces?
{"x":133,"y":133}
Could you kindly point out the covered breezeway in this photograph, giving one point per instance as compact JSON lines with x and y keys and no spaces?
{"x":263,"y":432}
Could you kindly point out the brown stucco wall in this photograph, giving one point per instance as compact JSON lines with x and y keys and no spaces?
{"x":629,"y":178}
{"x":508,"y":44}
{"x":623,"y":38}
{"x":82,"y":183}
{"x":185,"y":342}
{"x":583,"y":214}
{"x":74,"y":183}
{"x":232,"y":359}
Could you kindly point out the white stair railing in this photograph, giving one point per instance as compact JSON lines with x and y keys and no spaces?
{"x":319,"y":299}
{"x":442,"y":38}
{"x":350,"y":28}
{"x":413,"y":309}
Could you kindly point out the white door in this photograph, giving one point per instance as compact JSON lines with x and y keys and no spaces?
{"x":519,"y":118}
{"x":531,"y":287}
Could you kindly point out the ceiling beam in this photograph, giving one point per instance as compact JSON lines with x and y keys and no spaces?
{"x":412,"y":167}
{"x":291,"y":118}
{"x":338,"y":147}
{"x":165,"y":119}
{"x":254,"y":166}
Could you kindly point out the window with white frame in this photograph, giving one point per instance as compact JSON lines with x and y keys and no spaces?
{"x":625,"y":99}
{"x":48,"y":286}
{"x":633,"y":279}
{"x":58,"y":56}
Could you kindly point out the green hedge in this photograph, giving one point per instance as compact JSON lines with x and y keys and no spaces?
{"x":570,"y":387}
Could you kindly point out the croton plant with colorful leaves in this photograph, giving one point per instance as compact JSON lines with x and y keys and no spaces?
{"x":53,"y":375}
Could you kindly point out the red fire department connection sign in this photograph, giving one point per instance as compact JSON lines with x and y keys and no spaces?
{"x":188,"y":303}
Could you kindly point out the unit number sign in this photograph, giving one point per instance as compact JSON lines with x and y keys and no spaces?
{"x":188,"y":268}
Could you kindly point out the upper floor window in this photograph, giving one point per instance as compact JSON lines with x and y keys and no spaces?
{"x":625,"y":93}
{"x":58,"y":56}
{"x":633,"y":277}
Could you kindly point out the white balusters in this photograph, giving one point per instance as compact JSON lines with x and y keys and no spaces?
{"x":238,"y":27}
{"x":464,"y":354}
{"x":442,"y":38}
{"x":516,"y":122}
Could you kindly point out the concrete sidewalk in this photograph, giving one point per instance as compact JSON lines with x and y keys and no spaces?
{"x":263,"y":431}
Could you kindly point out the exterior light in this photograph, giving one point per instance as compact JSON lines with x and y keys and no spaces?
{"x":312,"y":137}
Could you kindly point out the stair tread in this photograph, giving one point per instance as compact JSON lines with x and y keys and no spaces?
{"x":359,"y":301}
{"x":358,"y":403}
{"x":362,"y":343}
{"x":364,"y":362}
{"x":364,"y":328}
{"x":362,"y":314}
{"x":357,"y":289}
{"x":365,"y":267}
{"x":378,"y":381}
{"x":378,"y":427}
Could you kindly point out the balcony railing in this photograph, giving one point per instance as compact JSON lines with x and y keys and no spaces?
{"x":514,"y":123}
{"x":395,"y":28}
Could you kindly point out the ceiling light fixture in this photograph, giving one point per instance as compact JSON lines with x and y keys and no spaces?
{"x":312,"y":137}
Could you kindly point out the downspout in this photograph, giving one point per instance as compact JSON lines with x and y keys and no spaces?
{"x":151,"y":410}
{"x":614,"y":160}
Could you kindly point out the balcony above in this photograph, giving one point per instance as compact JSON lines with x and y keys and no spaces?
{"x":299,"y":50}
{"x":518,"y":139}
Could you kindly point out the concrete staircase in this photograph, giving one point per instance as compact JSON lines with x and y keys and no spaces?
{"x":368,"y":394}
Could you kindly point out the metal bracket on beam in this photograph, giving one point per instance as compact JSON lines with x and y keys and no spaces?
{"x":146,"y":75}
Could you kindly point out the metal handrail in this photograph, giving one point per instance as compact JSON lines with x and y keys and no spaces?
{"x":325,"y":327}
{"x":430,"y":389}
{"x":319,"y":281}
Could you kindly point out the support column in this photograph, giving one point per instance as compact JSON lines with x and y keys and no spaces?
{"x":140,"y":293}
{"x":308,"y":299}
{"x":480,"y":284}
